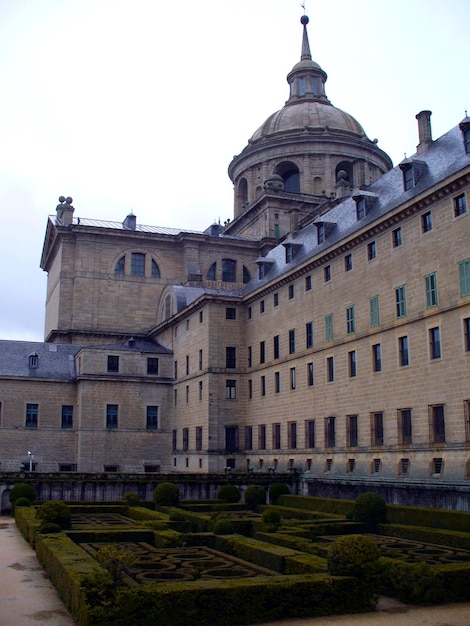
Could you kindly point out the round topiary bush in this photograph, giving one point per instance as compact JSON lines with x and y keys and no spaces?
{"x":276,"y":490}
{"x":56,"y":513}
{"x":48,"y":528}
{"x":166,"y":494}
{"x":229,"y":493}
{"x":353,"y":555}
{"x":271,"y":517}
{"x":22,"y":490}
{"x":223,"y":526}
{"x":255,"y":495}
{"x":370,"y":509}
{"x":22,"y":502}
{"x":131,"y":499}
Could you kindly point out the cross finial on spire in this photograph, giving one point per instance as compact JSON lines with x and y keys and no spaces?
{"x":303,"y":7}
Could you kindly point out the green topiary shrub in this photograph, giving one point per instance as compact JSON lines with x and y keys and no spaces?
{"x":22,"y":502}
{"x":223,"y":526}
{"x":166,"y":494}
{"x":131,"y":499}
{"x":276,"y":490}
{"x":255,"y":495}
{"x":369,"y":508}
{"x":353,"y":555}
{"x":49,"y":527}
{"x":55,"y":512}
{"x":271,"y":517}
{"x":22,"y":490}
{"x":229,"y":493}
{"x":417,"y":583}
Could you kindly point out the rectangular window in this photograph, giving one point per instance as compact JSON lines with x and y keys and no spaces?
{"x":230,"y":357}
{"x":248,"y":437}
{"x":327,"y":273}
{"x":320,"y":233}
{"x":377,"y":429}
{"x":261,"y":306}
{"x":310,"y":434}
{"x":187,"y":365}
{"x":250,"y":312}
{"x":291,"y":292}
{"x":231,"y":389}
{"x":187,"y":394}
{"x":138,"y":264}
{"x":250,"y":356}
{"x":292,"y":435}
{"x":230,"y":313}
{"x":185,"y":439}
{"x":200,"y":390}
{"x":152,"y":417}
{"x":277,"y":382}
{"x":360,"y":208}
{"x":276,"y":436}
{"x":229,"y":270}
{"x":435,"y":342}
{"x":250,"y":389}
{"x":350,"y":321}
{"x":466,"y":415}
{"x":111,"y":416}
{"x":67,"y":416}
{"x":292,"y":341}
{"x":426,"y":221}
{"x":175,"y":397}
{"x":466,"y":334}
{"x":262,"y":352}
{"x":376,"y":358}
{"x":464,"y":274}
{"x":292,"y":378}
{"x":152,"y":365}
{"x":348,"y":264}
{"x":403,"y":352}
{"x":276,"y":349}
{"x":330,"y":369}
{"x":173,"y":439}
{"x":200,"y":359}
{"x":113,"y":363}
{"x":309,"y":335}
{"x":400,"y":300}
{"x":352,"y":364}
{"x":460,"y":205}
{"x":374,"y":311}
{"x":352,"y":436}
{"x":276,"y":299}
{"x":310,"y":377}
{"x":263,"y":385}
{"x":437,"y":426}
{"x":308,"y":283}
{"x":431,"y":289}
{"x":397,"y":238}
{"x":329,"y":327}
{"x":371,"y":250}
{"x":404,"y":427}
{"x":175,"y":367}
{"x":262,"y":437}
{"x":330,"y":432}
{"x":408,"y":178}
{"x":198,"y":437}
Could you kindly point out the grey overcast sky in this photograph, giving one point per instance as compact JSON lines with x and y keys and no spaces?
{"x":139,"y":105}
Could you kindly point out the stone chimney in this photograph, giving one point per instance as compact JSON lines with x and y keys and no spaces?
{"x":424,"y":131}
{"x":65,"y":211}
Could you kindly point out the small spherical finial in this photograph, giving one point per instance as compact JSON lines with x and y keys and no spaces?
{"x":68,"y":200}
{"x":61,"y":198}
{"x":304,"y":20}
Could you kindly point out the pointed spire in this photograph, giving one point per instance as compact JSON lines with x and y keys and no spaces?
{"x":306,"y":55}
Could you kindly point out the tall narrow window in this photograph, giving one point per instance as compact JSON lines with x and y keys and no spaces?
{"x":229,"y":270}
{"x":309,"y":335}
{"x":152,"y":417}
{"x":111,"y":416}
{"x":250,"y":356}
{"x":464,"y":274}
{"x":310,"y":377}
{"x":437,"y":424}
{"x":360,"y":208}
{"x":308,"y":283}
{"x":371,"y":250}
{"x":466,"y":334}
{"x":400,"y":300}
{"x":262,"y":437}
{"x":397,"y":238}
{"x":329,"y":327}
{"x":350,"y":321}
{"x":67,"y":416}
{"x":276,"y":299}
{"x":119,"y":268}
{"x":426,"y":221}
{"x":403,"y":352}
{"x":330,"y":369}
{"x":327,"y":273}
{"x":292,"y":435}
{"x":276,"y":436}
{"x":263,"y":385}
{"x":200,"y":359}
{"x":466,"y":415}
{"x":431,"y":289}
{"x":262,"y":352}
{"x":185,"y":439}
{"x":292,"y":378}
{"x":248,"y":437}
{"x":292,"y":341}
{"x":404,"y":427}
{"x":230,"y":357}
{"x":374,"y":311}
{"x":460,"y":205}
{"x":352,"y":364}
{"x":435,"y":342}
{"x":198,"y":437}
{"x":310,"y":434}
{"x":276,"y":350}
{"x":277,"y":382}
{"x":330,"y":432}
{"x":230,"y":389}
{"x":348,"y":263}
{"x":352,"y":432}
{"x":376,"y":358}
{"x":291,"y":292}
{"x":138,"y":264}
{"x":250,"y":389}
{"x":231,"y":438}
{"x":377,"y":429}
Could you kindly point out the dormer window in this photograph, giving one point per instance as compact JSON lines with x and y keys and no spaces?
{"x":263,"y":266}
{"x":291,"y":250}
{"x":412,"y":172}
{"x":465,"y":128}
{"x":321,"y":233}
{"x":360,"y":208}
{"x":33,"y":360}
{"x":323,"y":230}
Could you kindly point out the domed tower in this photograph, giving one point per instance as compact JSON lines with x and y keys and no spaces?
{"x":304,"y":155}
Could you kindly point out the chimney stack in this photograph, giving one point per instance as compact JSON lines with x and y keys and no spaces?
{"x":65,"y":211}
{"x":424,"y":131}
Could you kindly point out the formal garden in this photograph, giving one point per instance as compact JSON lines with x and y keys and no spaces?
{"x":247,"y":557}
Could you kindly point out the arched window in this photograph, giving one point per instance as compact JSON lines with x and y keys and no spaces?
{"x":246,"y":275}
{"x":155,"y":270}
{"x":119,"y":269}
{"x":242,"y":194}
{"x":212,"y":272}
{"x":229,"y":270}
{"x":344,"y":171}
{"x":291,"y":176}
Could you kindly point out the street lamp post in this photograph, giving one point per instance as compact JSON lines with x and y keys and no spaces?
{"x":30,"y":457}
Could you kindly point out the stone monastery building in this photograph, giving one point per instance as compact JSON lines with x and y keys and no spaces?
{"x":324,"y":329}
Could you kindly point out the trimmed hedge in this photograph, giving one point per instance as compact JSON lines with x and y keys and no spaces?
{"x":322,"y":505}
{"x":432,"y":518}
{"x":452,"y":539}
